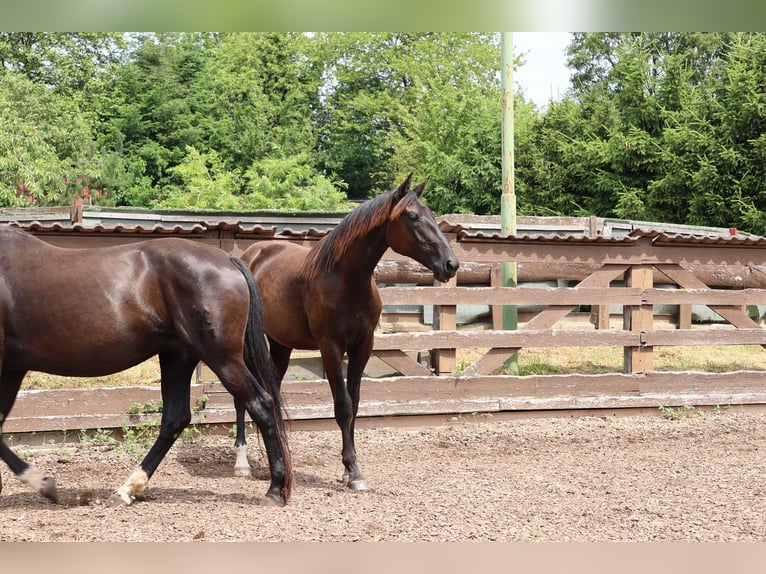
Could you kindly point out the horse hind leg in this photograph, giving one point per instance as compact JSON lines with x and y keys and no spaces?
{"x":281,"y":357}
{"x":10,"y":382}
{"x":241,"y":463}
{"x":176,"y":373}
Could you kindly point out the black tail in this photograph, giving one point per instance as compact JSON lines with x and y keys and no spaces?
{"x":258,"y":361}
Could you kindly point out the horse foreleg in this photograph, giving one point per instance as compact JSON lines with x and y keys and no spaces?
{"x":346,"y":399}
{"x":176,"y":373}
{"x":357,"y":359}
{"x":10,"y":382}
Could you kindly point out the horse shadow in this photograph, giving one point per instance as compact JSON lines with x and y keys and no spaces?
{"x":215,"y":462}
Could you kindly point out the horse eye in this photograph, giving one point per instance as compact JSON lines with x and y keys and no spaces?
{"x":413,"y":216}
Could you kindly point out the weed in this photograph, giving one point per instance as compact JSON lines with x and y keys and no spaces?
{"x":138,"y":438}
{"x":679,"y":413}
{"x":192,"y":435}
{"x":97,"y":437}
{"x":200,"y":403}
{"x":149,"y":407}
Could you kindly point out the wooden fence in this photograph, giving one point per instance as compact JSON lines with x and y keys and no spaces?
{"x":723,"y":273}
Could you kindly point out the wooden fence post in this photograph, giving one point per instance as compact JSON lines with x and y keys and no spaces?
{"x":638,"y":318}
{"x":444,"y":361}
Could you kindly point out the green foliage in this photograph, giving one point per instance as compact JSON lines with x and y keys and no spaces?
{"x":138,"y":438}
{"x":400,"y":103}
{"x":42,"y":137}
{"x":202,"y":183}
{"x":98,"y":437}
{"x":149,"y":407}
{"x":681,"y":413}
{"x":291,"y":184}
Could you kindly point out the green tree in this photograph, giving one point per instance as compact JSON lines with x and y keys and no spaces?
{"x":427,"y":103}
{"x":160,"y":105}
{"x":45,"y":140}
{"x":714,"y":145}
{"x":264,"y":90}
{"x":67,"y":62}
{"x":200,"y":182}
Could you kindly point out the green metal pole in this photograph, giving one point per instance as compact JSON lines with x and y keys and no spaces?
{"x":508,"y":197}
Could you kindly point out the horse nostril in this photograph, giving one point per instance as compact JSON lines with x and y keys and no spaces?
{"x":451,"y":266}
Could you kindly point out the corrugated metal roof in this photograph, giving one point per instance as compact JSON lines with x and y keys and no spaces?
{"x":701,"y":238}
{"x":97,"y":220}
{"x":542,"y":238}
{"x":656,"y":236}
{"x":56,"y":227}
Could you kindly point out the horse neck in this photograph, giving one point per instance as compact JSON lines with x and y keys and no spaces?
{"x":352,"y":258}
{"x":363,"y":255}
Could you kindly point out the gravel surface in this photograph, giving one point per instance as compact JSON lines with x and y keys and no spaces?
{"x":697,"y":476}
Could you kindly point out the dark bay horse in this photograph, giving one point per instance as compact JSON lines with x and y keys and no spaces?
{"x":326,"y":298}
{"x":93,"y":312}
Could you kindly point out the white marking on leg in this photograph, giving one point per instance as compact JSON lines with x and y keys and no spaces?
{"x":33,"y":477}
{"x":135,"y":485}
{"x":242,"y":465}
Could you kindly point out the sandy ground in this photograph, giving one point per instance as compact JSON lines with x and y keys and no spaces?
{"x":696,"y":476}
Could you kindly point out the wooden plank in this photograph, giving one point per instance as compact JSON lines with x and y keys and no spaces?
{"x":703,"y":337}
{"x":705,"y":296}
{"x":684,"y":316}
{"x":41,"y":411}
{"x":72,"y":409}
{"x":401,"y":361}
{"x":602,"y":317}
{"x":506,"y":339}
{"x":511,"y":296}
{"x":445,"y":318}
{"x":638,"y":318}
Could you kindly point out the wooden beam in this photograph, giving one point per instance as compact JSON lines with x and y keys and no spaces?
{"x":638,"y":318}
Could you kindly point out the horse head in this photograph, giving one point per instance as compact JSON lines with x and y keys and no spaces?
{"x":412,"y":231}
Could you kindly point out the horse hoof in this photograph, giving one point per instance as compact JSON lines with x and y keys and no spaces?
{"x":48,"y":489}
{"x":243,"y":471}
{"x":119,"y":499}
{"x":272,"y":500}
{"x":358,"y":485}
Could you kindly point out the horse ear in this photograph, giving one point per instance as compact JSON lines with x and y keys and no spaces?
{"x":421,"y":187}
{"x":404,"y":187}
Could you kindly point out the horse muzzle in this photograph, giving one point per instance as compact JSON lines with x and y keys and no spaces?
{"x":447,"y":270}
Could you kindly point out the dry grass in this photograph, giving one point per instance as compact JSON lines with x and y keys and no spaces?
{"x":596,"y":360}
{"x":146,"y":373}
{"x":548,"y":361}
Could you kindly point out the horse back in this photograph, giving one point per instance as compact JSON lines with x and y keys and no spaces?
{"x":121,"y":304}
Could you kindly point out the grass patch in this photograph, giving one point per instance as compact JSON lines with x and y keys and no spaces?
{"x":600,"y":360}
{"x":143,"y":374}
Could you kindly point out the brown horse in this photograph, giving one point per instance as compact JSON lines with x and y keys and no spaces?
{"x":326,"y":298}
{"x":93,"y":312}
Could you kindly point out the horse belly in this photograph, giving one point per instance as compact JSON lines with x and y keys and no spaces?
{"x":78,"y":337}
{"x":77,"y":357}
{"x":285,"y":320}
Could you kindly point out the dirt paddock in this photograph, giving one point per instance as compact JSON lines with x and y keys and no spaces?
{"x":691,"y":476}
